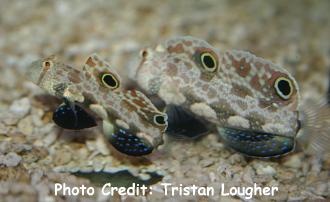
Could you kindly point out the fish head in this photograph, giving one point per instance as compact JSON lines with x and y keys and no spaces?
{"x":40,"y":70}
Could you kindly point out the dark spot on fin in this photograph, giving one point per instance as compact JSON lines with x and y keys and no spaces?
{"x":126,"y":142}
{"x":72,"y":116}
{"x":181,"y":123}
{"x":256,"y":144}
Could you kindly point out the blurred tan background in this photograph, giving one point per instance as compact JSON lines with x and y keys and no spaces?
{"x":294,"y":34}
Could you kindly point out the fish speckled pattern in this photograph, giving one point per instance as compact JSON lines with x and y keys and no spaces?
{"x":234,"y":90}
{"x":124,"y":141}
{"x":98,"y":86}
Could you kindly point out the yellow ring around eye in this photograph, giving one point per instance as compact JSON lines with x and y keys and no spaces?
{"x":209,"y":62}
{"x":283,"y":87}
{"x":160,"y":119}
{"x":110,"y":81}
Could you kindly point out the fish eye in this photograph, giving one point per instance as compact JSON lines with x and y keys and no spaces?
{"x":160,"y":120}
{"x":110,"y":80}
{"x":283,"y":87}
{"x":208,"y":61}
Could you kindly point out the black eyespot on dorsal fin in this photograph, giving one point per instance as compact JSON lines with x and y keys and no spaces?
{"x":182,"y":124}
{"x":73,"y":117}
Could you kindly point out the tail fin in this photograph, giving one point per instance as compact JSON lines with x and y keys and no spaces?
{"x":315,"y":136}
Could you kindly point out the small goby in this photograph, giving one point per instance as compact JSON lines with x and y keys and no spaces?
{"x":131,"y":123}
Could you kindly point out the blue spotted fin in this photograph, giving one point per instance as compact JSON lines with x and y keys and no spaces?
{"x":256,"y":144}
{"x":72,"y":116}
{"x":126,"y":142}
{"x":182,"y":124}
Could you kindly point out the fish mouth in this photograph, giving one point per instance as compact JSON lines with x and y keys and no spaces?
{"x":256,"y":143}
